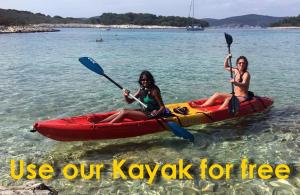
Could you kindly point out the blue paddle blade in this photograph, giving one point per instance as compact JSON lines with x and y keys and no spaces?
{"x":91,"y":64}
{"x":179,"y":131}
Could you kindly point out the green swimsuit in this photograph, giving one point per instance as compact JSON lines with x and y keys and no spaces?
{"x":147,"y":99}
{"x":152,"y":104}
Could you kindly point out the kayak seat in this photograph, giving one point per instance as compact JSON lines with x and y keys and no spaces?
{"x":249,"y":97}
{"x":92,"y":119}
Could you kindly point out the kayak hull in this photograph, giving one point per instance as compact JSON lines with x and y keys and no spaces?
{"x":88,"y":127}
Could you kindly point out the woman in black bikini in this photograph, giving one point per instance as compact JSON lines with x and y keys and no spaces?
{"x":241,"y":83}
{"x":149,"y":94}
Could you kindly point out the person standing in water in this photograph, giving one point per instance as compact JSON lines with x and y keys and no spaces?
{"x":241,"y":82}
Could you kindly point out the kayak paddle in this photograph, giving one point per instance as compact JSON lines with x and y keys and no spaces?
{"x":179,"y":131}
{"x":95,"y":67}
{"x":234,"y":104}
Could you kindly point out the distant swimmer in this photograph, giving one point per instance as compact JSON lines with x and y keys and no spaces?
{"x":99,"y":40}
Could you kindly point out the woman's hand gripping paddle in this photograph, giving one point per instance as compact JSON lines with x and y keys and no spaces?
{"x":234,"y":104}
{"x":95,"y":67}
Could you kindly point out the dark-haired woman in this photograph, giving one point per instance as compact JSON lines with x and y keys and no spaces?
{"x":241,"y":82}
{"x":149,"y":94}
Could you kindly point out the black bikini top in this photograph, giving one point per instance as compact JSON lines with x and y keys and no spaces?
{"x":241,"y":77}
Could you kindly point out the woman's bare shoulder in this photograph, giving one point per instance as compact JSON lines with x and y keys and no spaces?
{"x":155,"y":90}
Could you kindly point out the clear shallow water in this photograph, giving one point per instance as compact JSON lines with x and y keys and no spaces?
{"x":41,"y":78}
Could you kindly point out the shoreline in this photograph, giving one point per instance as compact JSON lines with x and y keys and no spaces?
{"x":286,"y":27}
{"x":108,"y":27}
{"x":52,"y":27}
{"x":102,"y":26}
{"x":26,"y":29}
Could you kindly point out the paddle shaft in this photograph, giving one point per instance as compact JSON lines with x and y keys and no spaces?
{"x":231,"y":73}
{"x":233,"y":106}
{"x":112,"y":81}
{"x":119,"y":86}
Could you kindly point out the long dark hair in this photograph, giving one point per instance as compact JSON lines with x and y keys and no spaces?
{"x":245,"y":59}
{"x":149,"y":77}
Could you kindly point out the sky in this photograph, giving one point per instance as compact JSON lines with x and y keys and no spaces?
{"x":217,"y":9}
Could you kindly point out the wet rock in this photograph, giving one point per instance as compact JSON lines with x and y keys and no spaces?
{"x":28,"y":188}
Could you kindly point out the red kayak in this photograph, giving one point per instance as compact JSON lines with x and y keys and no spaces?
{"x":87,"y":127}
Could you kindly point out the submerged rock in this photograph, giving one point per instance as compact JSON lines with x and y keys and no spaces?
{"x":28,"y":188}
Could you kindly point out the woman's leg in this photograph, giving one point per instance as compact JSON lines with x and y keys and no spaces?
{"x":132,"y":114}
{"x":210,"y":101}
{"x":225,"y":103}
{"x":227,"y":100}
{"x":111,"y":117}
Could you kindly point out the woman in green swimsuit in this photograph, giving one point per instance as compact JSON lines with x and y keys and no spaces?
{"x":149,"y":94}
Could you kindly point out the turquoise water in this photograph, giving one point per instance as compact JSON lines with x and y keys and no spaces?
{"x":41,"y":78}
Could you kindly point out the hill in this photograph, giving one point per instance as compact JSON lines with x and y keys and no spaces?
{"x":245,"y":20}
{"x":14,"y":17}
{"x":289,"y":21}
{"x":10,"y":17}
